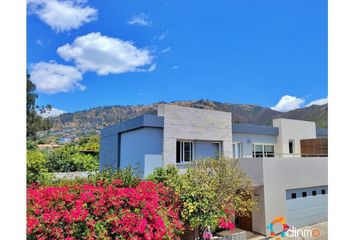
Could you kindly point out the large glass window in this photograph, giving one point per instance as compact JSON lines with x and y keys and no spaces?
{"x":261,"y":150}
{"x":184,"y":151}
{"x":269,"y":150}
{"x":257,"y":150}
{"x":237,"y":150}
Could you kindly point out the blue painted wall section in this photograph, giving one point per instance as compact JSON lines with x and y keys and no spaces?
{"x":110,"y":138}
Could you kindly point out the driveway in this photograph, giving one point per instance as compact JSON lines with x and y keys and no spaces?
{"x":321,"y":227}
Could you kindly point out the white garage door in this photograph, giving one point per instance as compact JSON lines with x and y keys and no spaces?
{"x":307,"y":206}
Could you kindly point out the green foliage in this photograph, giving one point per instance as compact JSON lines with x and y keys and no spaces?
{"x":210,"y":189}
{"x":168,"y":176}
{"x":36,"y":168}
{"x":90,"y":143}
{"x":35,"y":122}
{"x":69,"y":159}
{"x":31,"y":145}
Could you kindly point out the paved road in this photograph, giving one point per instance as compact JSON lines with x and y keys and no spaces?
{"x":321,"y":227}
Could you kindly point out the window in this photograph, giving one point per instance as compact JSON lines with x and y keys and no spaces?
{"x":261,"y":150}
{"x":293,"y":195}
{"x":257,"y":150}
{"x":216,"y":149}
{"x":314,"y":193}
{"x":323,"y":191}
{"x":291,"y":146}
{"x":269,"y":150}
{"x":184,"y":151}
{"x":304,"y":194}
{"x":237,"y":150}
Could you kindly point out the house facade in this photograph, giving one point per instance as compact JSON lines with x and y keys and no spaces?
{"x":287,"y":182}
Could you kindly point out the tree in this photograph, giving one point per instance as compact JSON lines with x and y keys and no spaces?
{"x":35,"y":122}
{"x":212,"y":191}
{"x":36,"y":167}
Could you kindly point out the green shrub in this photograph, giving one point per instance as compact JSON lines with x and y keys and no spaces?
{"x":36,"y":168}
{"x":211,"y":191}
{"x":69,"y":159}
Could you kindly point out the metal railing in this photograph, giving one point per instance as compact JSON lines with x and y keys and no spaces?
{"x":280,"y":155}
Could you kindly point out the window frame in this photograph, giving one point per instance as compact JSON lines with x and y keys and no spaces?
{"x":182,"y":151}
{"x":219,"y":147}
{"x":240,"y":154}
{"x":263,"y":149}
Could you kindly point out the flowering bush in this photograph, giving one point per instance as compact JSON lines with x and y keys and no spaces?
{"x":102,"y":211}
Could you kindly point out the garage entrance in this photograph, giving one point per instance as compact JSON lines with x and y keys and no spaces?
{"x":307,"y":206}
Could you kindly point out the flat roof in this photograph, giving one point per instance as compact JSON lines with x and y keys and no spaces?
{"x":138,"y":122}
{"x":246,"y":128}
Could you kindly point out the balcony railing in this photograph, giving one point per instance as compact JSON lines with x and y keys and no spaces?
{"x":281,"y":155}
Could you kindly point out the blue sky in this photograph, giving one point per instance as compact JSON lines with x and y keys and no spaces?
{"x":84,"y":54}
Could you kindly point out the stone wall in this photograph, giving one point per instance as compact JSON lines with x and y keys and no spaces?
{"x":186,"y":123}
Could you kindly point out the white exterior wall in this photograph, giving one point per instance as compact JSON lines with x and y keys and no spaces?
{"x":278,"y":175}
{"x":296,"y":130}
{"x":193,"y":124}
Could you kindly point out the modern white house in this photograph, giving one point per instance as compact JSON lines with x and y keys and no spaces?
{"x":287,"y":181}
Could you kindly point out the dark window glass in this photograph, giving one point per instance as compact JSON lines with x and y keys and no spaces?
{"x":178,"y":152}
{"x":323,"y":191}
{"x":314,"y":193}
{"x":293,"y":195}
{"x":187,"y":151}
{"x":291,"y":146}
{"x":304,"y":194}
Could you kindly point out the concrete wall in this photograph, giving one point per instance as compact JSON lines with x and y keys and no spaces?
{"x":258,"y":213}
{"x":296,"y":130}
{"x":279,"y":175}
{"x":193,"y":124}
{"x":249,"y":139}
{"x":137,"y":143}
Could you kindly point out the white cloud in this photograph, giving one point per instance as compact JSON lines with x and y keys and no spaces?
{"x":140,"y":20}
{"x":105,"y":55}
{"x":53,"y":78}
{"x":52,"y":113}
{"x":152,"y":68}
{"x":321,"y":101}
{"x":165,"y":50}
{"x":288,"y":103}
{"x":63,"y":15}
{"x":175,"y":67}
{"x":163,"y":35}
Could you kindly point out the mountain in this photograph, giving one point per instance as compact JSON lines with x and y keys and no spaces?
{"x":92,"y":120}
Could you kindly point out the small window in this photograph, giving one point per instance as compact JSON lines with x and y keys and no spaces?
{"x":291,"y":146}
{"x":237,"y":150}
{"x":314,"y":193}
{"x":184,"y":151}
{"x":323,"y":191}
{"x":304,"y":194}
{"x":293,"y":195}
